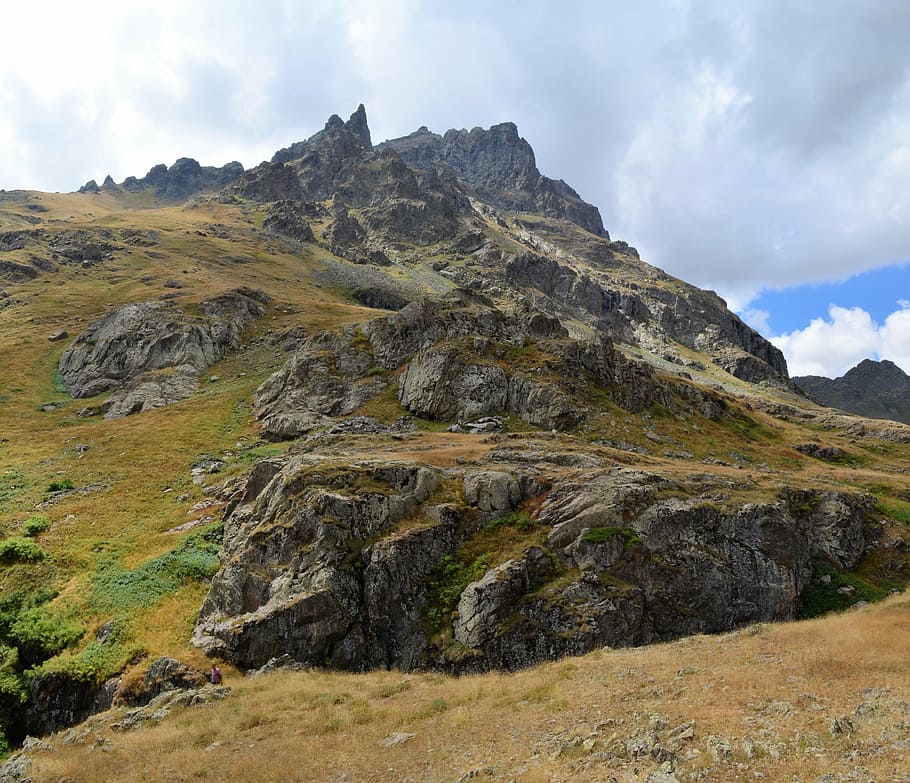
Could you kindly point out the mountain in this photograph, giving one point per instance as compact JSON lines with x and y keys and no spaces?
{"x":395,"y":406}
{"x":879,"y":390}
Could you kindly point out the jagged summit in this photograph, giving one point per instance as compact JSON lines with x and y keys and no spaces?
{"x":357,"y":124}
{"x":177,"y":182}
{"x":501,"y":167}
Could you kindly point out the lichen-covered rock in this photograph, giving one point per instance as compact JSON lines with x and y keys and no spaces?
{"x":485,"y":603}
{"x":289,"y":219}
{"x":163,"y":674}
{"x":652,"y":314}
{"x":290,"y":582}
{"x":335,"y":565}
{"x":122,"y":349}
{"x":444,"y":385}
{"x":149,"y":391}
{"x":493,"y":490}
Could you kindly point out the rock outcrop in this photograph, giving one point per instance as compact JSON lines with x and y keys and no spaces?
{"x":153,"y":351}
{"x":653,"y":315}
{"x":499,"y":166}
{"x":340,"y":565}
{"x":184,"y":178}
{"x":297,"y":559}
{"x":457,"y":362}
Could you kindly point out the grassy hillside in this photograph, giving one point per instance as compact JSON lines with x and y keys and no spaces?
{"x":104,"y":522}
{"x":760,"y":703}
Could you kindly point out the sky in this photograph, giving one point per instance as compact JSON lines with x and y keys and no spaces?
{"x":759,"y":148}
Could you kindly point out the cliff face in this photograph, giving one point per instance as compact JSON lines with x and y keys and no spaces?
{"x":330,"y":574}
{"x":499,"y":166}
{"x":879,"y":390}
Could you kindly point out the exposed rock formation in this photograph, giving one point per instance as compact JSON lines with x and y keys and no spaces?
{"x":162,"y":675}
{"x":462,"y":362}
{"x":879,"y":390}
{"x":289,"y":219}
{"x":184,"y":178}
{"x":294,"y":560}
{"x":500,"y":167}
{"x":59,"y":699}
{"x":696,"y":319}
{"x":337,"y":565}
{"x":125,"y":349}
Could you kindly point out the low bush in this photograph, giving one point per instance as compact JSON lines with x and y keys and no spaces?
{"x":62,"y":485}
{"x":35,"y":526}
{"x":39,"y":634}
{"x":20,"y":550}
{"x":824,"y":592}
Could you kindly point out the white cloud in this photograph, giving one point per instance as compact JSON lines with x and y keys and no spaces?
{"x":829,"y":347}
{"x":757,"y":319}
{"x":740,"y":146}
{"x":895,"y":336}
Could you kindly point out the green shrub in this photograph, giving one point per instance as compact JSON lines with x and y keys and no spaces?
{"x":822,"y":594}
{"x":20,"y":550}
{"x":520,"y":520}
{"x":38,"y":635}
{"x":35,"y":525}
{"x":63,"y":485}
{"x":446,"y":584}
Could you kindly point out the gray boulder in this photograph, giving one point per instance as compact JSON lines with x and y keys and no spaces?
{"x":493,"y":490}
{"x":125,"y":348}
{"x":162,"y":675}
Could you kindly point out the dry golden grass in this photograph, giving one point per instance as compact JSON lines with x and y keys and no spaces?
{"x":320,"y":726}
{"x":776,"y":687}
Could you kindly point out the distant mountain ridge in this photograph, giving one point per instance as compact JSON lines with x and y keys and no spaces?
{"x":879,"y":390}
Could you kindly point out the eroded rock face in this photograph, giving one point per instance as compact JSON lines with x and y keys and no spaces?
{"x":500,"y":165}
{"x":58,"y":699}
{"x":337,"y":565}
{"x":295,"y":565}
{"x":129,"y":348}
{"x":696,"y":319}
{"x":162,"y":675}
{"x":184,"y":178}
{"x":461,"y":362}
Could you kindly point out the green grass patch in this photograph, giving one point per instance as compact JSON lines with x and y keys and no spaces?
{"x":895,"y":509}
{"x":12,"y":483}
{"x":115,"y":589}
{"x":823,"y":593}
{"x":597,"y":535}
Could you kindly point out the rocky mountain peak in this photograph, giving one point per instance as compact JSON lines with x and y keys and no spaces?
{"x":357,"y":125}
{"x":500,"y":166}
{"x":881,"y":375}
{"x":879,"y":390}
